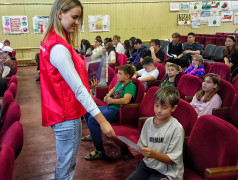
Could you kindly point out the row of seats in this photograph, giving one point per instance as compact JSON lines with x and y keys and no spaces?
{"x":11,"y":131}
{"x":197,"y":132}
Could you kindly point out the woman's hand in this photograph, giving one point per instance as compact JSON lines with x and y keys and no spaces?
{"x":107,"y":129}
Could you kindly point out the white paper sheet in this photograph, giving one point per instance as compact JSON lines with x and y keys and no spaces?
{"x":129,"y":142}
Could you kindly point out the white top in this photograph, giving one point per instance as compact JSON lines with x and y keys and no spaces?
{"x":203,"y":108}
{"x":166,"y":139}
{"x":97,"y":53}
{"x":112,"y":56}
{"x":120,"y":48}
{"x":61,"y":59}
{"x":143,"y":73}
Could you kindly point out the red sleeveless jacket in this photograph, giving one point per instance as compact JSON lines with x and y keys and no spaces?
{"x":58,"y":101}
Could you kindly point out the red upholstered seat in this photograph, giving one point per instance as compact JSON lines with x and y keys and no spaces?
{"x":220,"y":41}
{"x":183,"y":39}
{"x":207,"y":67}
{"x":189,"y":85}
{"x":13,"y":114}
{"x":209,"y":40}
{"x":13,"y":79}
{"x":111,"y":74}
{"x":200,"y":39}
{"x":121,"y":60}
{"x":14,"y":138}
{"x":221,"y":69}
{"x":212,"y":143}
{"x":7,"y":99}
{"x":7,"y":162}
{"x":13,"y":89}
{"x":14,"y":52}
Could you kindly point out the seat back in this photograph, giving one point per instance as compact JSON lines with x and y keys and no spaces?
{"x":121,"y":60}
{"x":183,"y":39}
{"x":207,"y":149}
{"x":146,"y":108}
{"x":218,"y":54}
{"x":235,"y":84}
{"x":222,"y":70}
{"x":7,"y":162}
{"x":111,"y":74}
{"x":161,"y":70}
{"x":220,"y":41}
{"x":200,"y":39}
{"x":189,"y":85}
{"x":209,"y":51}
{"x":7,"y":99}
{"x":186,"y":121}
{"x":178,"y":77}
{"x":13,"y":79}
{"x":13,"y":89}
{"x":15,"y":68}
{"x":82,"y":57}
{"x":14,"y":138}
{"x":14,"y":53}
{"x":140,"y":90}
{"x":227,"y":93}
{"x":233,"y":112}
{"x":209,"y":40}
{"x":207,"y":67}
{"x":113,"y":83}
{"x":13,"y":114}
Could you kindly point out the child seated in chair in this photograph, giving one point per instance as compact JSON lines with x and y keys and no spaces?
{"x":123,"y":93}
{"x":149,"y":71}
{"x":161,"y":141}
{"x":172,"y":70}
{"x":196,"y":68}
{"x":207,"y":99}
{"x":7,"y":63}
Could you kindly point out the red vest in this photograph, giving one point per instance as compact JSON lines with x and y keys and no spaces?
{"x":58,"y":101}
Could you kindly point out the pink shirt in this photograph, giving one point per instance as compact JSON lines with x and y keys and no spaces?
{"x":203,"y":108}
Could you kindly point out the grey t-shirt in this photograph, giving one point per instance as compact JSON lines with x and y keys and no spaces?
{"x":166,"y":139}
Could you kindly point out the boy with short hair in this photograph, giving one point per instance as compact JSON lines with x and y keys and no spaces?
{"x":161,"y":141}
{"x":123,"y":93}
{"x":172,"y":70}
{"x":149,"y":71}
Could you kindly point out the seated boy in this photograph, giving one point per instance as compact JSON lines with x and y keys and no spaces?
{"x":123,"y":93}
{"x":149,"y":71}
{"x":172,"y":70}
{"x":161,"y":140}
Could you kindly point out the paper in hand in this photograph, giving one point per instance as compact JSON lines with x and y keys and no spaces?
{"x":129,"y":143}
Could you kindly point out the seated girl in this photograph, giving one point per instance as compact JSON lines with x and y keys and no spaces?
{"x":88,"y":49}
{"x":196,"y":68}
{"x":207,"y":98}
{"x":172,"y":70}
{"x":7,"y":62}
{"x":109,"y":49}
{"x":97,"y":51}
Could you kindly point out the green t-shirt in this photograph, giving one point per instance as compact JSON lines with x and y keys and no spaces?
{"x":129,"y":89}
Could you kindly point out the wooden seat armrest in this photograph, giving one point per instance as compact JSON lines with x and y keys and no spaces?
{"x":221,"y":109}
{"x":130,"y":105}
{"x":102,"y":87}
{"x":7,"y":78}
{"x":188,"y":98}
{"x":221,"y":171}
{"x":186,"y":139}
{"x":154,"y":81}
{"x":1,"y":97}
{"x":143,"y":119}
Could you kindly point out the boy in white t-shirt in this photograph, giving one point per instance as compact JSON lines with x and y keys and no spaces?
{"x":149,"y":71}
{"x":161,"y":141}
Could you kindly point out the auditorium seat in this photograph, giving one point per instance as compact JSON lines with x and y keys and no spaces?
{"x":207,"y":67}
{"x":222,"y":70}
{"x":13,"y":79}
{"x":13,"y":89}
{"x":7,"y":99}
{"x":189,"y":85}
{"x":208,"y":53}
{"x":207,"y":149}
{"x":183,"y":39}
{"x":220,"y":41}
{"x":209,"y":40}
{"x":218,"y":54}
{"x":235,"y":84}
{"x":200,"y":39}
{"x":161,"y":75}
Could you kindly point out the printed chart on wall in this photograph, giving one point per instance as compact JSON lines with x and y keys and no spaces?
{"x":40,"y":23}
{"x":15,"y":24}
{"x":99,"y":23}
{"x":184,"y":19}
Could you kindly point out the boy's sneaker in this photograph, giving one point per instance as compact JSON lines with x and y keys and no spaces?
{"x":95,"y":155}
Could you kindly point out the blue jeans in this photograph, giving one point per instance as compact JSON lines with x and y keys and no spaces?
{"x":143,"y":172}
{"x":68,"y":136}
{"x":111,"y":116}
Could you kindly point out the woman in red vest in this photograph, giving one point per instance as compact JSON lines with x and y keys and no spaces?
{"x":64,"y":83}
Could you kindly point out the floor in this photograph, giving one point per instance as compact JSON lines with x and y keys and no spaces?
{"x":38,"y":157}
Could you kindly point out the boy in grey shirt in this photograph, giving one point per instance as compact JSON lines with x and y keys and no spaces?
{"x":161,"y":141}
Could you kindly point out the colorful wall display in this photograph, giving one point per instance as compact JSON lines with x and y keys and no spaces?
{"x":214,"y":21}
{"x":15,"y":24}
{"x":174,"y":7}
{"x":227,"y":16}
{"x":236,"y":17}
{"x":99,"y":23}
{"x":40,"y":23}
{"x":184,"y":19}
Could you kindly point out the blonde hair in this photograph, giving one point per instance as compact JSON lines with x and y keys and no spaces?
{"x":216,"y":80}
{"x":54,"y":21}
{"x":199,"y":58}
